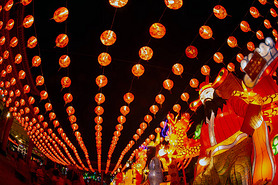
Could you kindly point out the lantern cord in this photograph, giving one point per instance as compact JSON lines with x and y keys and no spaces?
{"x":162,"y":15}
{"x":113,"y":18}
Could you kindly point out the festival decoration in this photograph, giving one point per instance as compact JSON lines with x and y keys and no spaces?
{"x":176,"y":4}
{"x":244,"y":26}
{"x":10,"y":24}
{"x":177,"y":69}
{"x":194,"y":83}
{"x":128,"y":97}
{"x":39,"y":80}
{"x":62,"y":40}
{"x":185,"y":96}
{"x":267,"y":24}
{"x":168,"y":84}
{"x":28,"y":21}
{"x":118,"y":3}
{"x":145,"y":53}
{"x":205,"y":32}
{"x":232,"y":42}
{"x":220,"y":12}
{"x":124,"y":110}
{"x":205,"y":70}
{"x":108,"y":38}
{"x":101,"y":81}
{"x":138,"y":70}
{"x":99,"y":98}
{"x":254,"y":12}
{"x":104,"y":59}
{"x":250,"y":46}
{"x":157,"y":30}
{"x":61,"y":14}
{"x":191,"y":52}
{"x":259,"y":35}
{"x":218,"y":57}
{"x":160,"y":98}
{"x":64,"y":61}
{"x":32,"y":42}
{"x":65,"y":82}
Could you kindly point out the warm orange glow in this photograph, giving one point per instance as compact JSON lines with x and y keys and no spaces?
{"x":260,"y":35}
{"x":36,"y":61}
{"x":68,"y":98}
{"x":194,"y":83}
{"x":124,"y":110}
{"x":250,"y":46}
{"x":39,"y":80}
{"x":98,"y":120}
{"x":135,"y":137}
{"x":100,"y":98}
{"x":44,"y":95}
{"x":267,"y":24}
{"x":205,"y":32}
{"x":145,"y":53}
{"x":48,"y":107}
{"x":28,"y":21}
{"x":121,"y":119}
{"x":154,"y":109}
{"x":72,"y":119}
{"x":143,"y":125}
{"x":61,"y":14}
{"x":118,"y":3}
{"x":168,"y":84}
{"x":108,"y":38}
{"x":64,"y":61}
{"x":232,"y":42}
{"x":157,"y":30}
{"x":138,"y":70}
{"x":173,"y":4}
{"x":191,"y":52}
{"x":273,"y":12}
{"x":185,"y":96}
{"x":177,"y":108}
{"x":177,"y":69}
{"x":148,"y":118}
{"x":239,"y":57}
{"x":205,"y":70}
{"x":254,"y":12}
{"x":13,"y":42}
{"x":25,"y":2}
{"x":231,"y":67}
{"x":32,"y":42}
{"x":65,"y":82}
{"x":52,"y":116}
{"x":26,"y":89}
{"x":99,"y":110}
{"x":62,"y":40}
{"x":70,"y":110}
{"x":160,"y":98}
{"x":21,"y":74}
{"x":128,"y":97}
{"x":9,"y":5}
{"x":219,"y":12}
{"x":218,"y":57}
{"x":9,"y":24}
{"x":2,"y":40}
{"x":244,"y":26}
{"x":17,"y":59}
{"x":104,"y":59}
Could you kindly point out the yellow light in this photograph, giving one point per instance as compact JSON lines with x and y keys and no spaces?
{"x":204,"y":161}
{"x":8,"y":114}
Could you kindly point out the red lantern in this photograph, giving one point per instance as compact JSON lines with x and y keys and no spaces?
{"x":48,"y":107}
{"x":138,"y":70}
{"x":101,"y":81}
{"x":70,"y":110}
{"x":1,"y":60}
{"x":21,"y":74}
{"x":36,"y":110}
{"x":121,"y":119}
{"x":65,"y":82}
{"x":104,"y":59}
{"x":276,"y":3}
{"x":154,"y":109}
{"x":99,"y":110}
{"x":13,"y":42}
{"x":148,"y":118}
{"x":232,"y":42}
{"x":61,"y":14}
{"x":219,"y":12}
{"x":2,"y":40}
{"x":36,"y":61}
{"x":60,"y":130}
{"x":151,"y":137}
{"x":177,"y":69}
{"x":128,"y":97}
{"x":143,"y":125}
{"x":32,"y":42}
{"x":28,"y":21}
{"x":17,"y":59}
{"x":52,"y":116}
{"x":68,"y":98}
{"x":100,"y":98}
{"x":139,"y":131}
{"x":62,"y":40}
{"x":160,"y":98}
{"x":254,"y":12}
{"x":157,"y":130}
{"x":250,"y":46}
{"x":10,"y":24}
{"x":173,"y":4}
{"x":64,"y":61}
{"x":218,"y":57}
{"x":44,"y":95}
{"x":26,"y":89}
{"x":8,"y":5}
{"x":194,"y":83}
{"x":117,"y":133}
{"x":205,"y":32}
{"x":244,"y":26}
{"x":124,"y":110}
{"x":40,"y":118}
{"x":39,"y":80}
{"x":17,"y":93}
{"x":1,"y":24}
{"x":72,"y":119}
{"x":56,"y":123}
{"x":3,"y":73}
{"x":108,"y":38}
{"x":177,"y":108}
{"x":145,"y":53}
{"x":191,"y":52}
{"x":31,"y":100}
{"x":74,"y":127}
{"x":98,"y":120}
{"x":260,"y":35}
{"x":118,"y":3}
{"x":9,"y":69}
{"x":168,"y":84}
{"x":239,"y":57}
{"x":273,"y":12}
{"x":231,"y":67}
{"x":185,"y":96}
{"x":205,"y":70}
{"x":6,"y":54}
{"x":157,"y":30}
{"x":135,"y":137}
{"x":119,"y":127}
{"x":267,"y":24}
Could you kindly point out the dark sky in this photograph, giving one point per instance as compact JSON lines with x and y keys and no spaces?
{"x":86,"y":22}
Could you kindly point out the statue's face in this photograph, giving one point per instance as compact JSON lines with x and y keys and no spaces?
{"x":207,"y":95}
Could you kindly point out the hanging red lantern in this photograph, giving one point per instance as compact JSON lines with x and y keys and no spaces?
{"x":64,"y":61}
{"x":205,"y":70}
{"x":60,"y":130}
{"x":8,"y":5}
{"x":160,"y":98}
{"x":191,"y":52}
{"x":17,"y":59}
{"x":10,"y":24}
{"x":173,"y":4}
{"x":124,"y":110}
{"x":157,"y":30}
{"x":276,"y":3}
{"x":118,"y":3}
{"x":74,"y":127}
{"x":244,"y":26}
{"x":185,"y":96}
{"x":138,"y":70}
{"x":254,"y":12}
{"x":148,"y":118}
{"x":231,"y":67}
{"x":267,"y":24}
{"x":205,"y":32}
{"x":52,"y":116}
{"x":36,"y":110}
{"x":194,"y":83}
{"x":61,"y":14}
{"x":101,"y":81}
{"x":139,"y":131}
{"x":98,"y":120}
{"x":17,"y":93}
{"x":1,"y":24}
{"x":9,"y":68}
{"x":151,"y":137}
{"x":273,"y":12}
{"x":2,"y":40}
{"x":154,"y":109}
{"x":65,"y":82}
{"x":48,"y":107}
{"x":26,"y":89}
{"x":100,"y":98}
{"x":143,"y":125}
{"x":232,"y":42}
{"x":99,"y":110}
{"x":68,"y":98}
{"x":40,"y":118}
{"x":177,"y":108}
{"x":1,"y":60}
{"x":72,"y":119}
{"x":32,"y":42}
{"x":145,"y":53}
{"x":157,"y":130}
{"x":39,"y":80}
{"x":128,"y":97}
{"x":274,"y":33}
{"x":21,"y":74}
{"x":119,"y":127}
{"x":177,"y":69}
{"x":62,"y":40}
{"x":239,"y":57}
{"x":218,"y":57}
{"x":117,"y":133}
{"x":250,"y":46}
{"x":56,"y":123}
{"x":104,"y":59}
{"x":28,"y":21}
{"x":6,"y":54}
{"x":263,"y":2}
{"x":220,"y":12}
{"x":108,"y":38}
{"x":135,"y":137}
{"x":7,"y":84}
{"x":70,"y":110}
{"x":36,"y":61}
{"x":260,"y":35}
{"x":3,"y":73}
{"x":121,"y":119}
{"x":13,"y":42}
{"x":168,"y":84}
{"x":44,"y":95}
{"x":31,"y":100}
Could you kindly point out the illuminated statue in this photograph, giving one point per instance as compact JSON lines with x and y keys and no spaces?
{"x":155,"y":169}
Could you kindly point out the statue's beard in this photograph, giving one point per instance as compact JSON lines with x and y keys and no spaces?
{"x":212,"y":105}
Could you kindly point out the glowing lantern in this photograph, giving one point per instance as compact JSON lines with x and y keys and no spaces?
{"x":68,"y":98}
{"x":205,"y":70}
{"x":3,"y":73}
{"x":6,"y":54}
{"x":8,"y":5}
{"x":263,"y":2}
{"x":168,"y":84}
{"x":276,"y":3}
{"x":21,"y":74}
{"x":99,"y":110}
{"x":31,"y":100}
{"x":1,"y":60}
{"x":139,"y":131}
{"x":61,"y":14}
{"x":7,"y":84}
{"x":13,"y":42}
{"x":138,"y":70}
{"x":2,"y":40}
{"x":231,"y":67}
{"x":18,"y":59}
{"x":239,"y":57}
{"x":232,"y":42}
{"x":10,"y":24}
{"x":17,"y":93}
{"x":117,"y":133}
{"x":157,"y":30}
{"x":28,"y":21}
{"x":26,"y":89}
{"x":185,"y":96}
{"x":72,"y":119}
{"x":218,"y":57}
{"x":70,"y":110}
{"x":135,"y":137}
{"x":173,"y":4}
{"x":157,"y":130}
{"x":128,"y":97}
{"x":65,"y":82}
{"x":98,"y":120}
{"x":108,"y":38}
{"x":191,"y":52}
{"x":177,"y":108}
{"x":151,"y":137}
{"x":273,"y":12}
{"x":36,"y":61}
{"x":118,"y":3}
{"x":39,"y":80}
{"x":154,"y":109}
{"x":250,"y":46}
{"x":56,"y":123}
{"x":274,"y":33}
{"x":259,"y":35}
{"x":148,"y":118}
{"x":36,"y":110}
{"x":219,"y":12}
{"x":104,"y":59}
{"x":48,"y":107}
{"x":244,"y":26}
{"x":254,"y":12}
{"x":121,"y":119}
{"x":60,"y":130}
{"x":52,"y":116}
{"x":1,"y":24}
{"x":62,"y":40}
{"x":64,"y":61}
{"x":267,"y":24}
{"x":99,"y":98}
{"x":177,"y":69}
{"x":101,"y":81}
{"x":32,"y":42}
{"x":145,"y":53}
{"x":194,"y":83}
{"x":119,"y":127}
{"x":160,"y":98}
{"x":44,"y":95}
{"x":143,"y":125}
{"x":205,"y":32}
{"x":124,"y":110}
{"x":74,"y":127}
